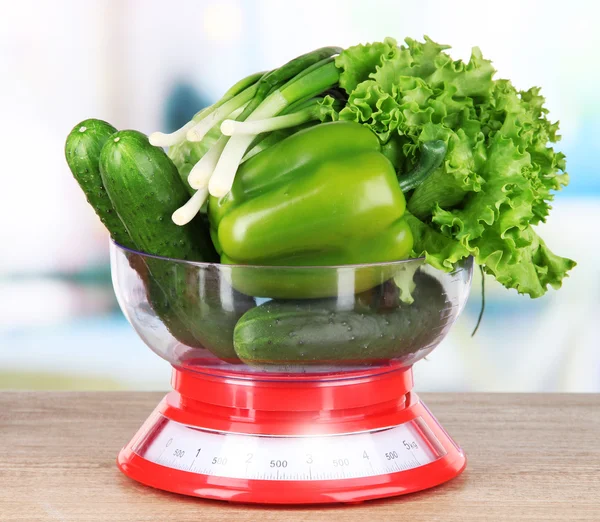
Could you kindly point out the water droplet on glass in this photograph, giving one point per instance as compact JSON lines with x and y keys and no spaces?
{"x":353,"y":338}
{"x":349,"y":328}
{"x":344,"y":323}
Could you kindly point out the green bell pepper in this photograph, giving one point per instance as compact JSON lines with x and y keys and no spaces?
{"x":323,"y":196}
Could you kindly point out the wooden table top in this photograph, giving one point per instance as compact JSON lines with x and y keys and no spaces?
{"x":531,"y":457}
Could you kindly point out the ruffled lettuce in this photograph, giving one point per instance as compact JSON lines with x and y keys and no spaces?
{"x":500,"y":172}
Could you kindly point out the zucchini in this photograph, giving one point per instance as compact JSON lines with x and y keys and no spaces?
{"x":145,"y":189}
{"x":376,"y":329}
{"x":82,"y":152}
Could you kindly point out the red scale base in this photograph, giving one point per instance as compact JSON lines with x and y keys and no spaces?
{"x":292,"y":405}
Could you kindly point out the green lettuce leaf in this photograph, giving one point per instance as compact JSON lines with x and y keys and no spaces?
{"x":520,"y":260}
{"x":358,"y":61}
{"x":439,"y":251}
{"x":328,"y":109}
{"x":500,"y":173}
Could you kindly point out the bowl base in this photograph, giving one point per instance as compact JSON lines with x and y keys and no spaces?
{"x":365,"y":445}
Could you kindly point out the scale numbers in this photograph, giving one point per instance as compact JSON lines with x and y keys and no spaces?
{"x":261,"y":457}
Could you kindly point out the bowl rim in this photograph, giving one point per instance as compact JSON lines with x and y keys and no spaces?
{"x":466,"y":262}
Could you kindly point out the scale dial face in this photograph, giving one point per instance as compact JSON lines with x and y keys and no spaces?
{"x":294,"y":458}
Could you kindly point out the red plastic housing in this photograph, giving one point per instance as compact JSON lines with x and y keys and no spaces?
{"x":351,"y":403}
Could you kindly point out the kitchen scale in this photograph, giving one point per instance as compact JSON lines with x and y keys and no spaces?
{"x":285,"y":434}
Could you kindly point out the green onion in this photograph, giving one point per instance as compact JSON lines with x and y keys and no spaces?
{"x":202,"y":171}
{"x":313,"y":83}
{"x":160,"y":139}
{"x":295,"y":68}
{"x":254,"y":127}
{"x":200,"y":129}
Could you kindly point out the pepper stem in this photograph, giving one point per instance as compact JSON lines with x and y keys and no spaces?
{"x":432,"y":156}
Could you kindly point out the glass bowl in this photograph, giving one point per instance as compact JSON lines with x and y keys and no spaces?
{"x":269,"y":320}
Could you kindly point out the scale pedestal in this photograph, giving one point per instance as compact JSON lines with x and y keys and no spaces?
{"x":292,"y":440}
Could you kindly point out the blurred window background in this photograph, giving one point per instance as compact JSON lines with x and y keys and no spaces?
{"x":150,"y":65}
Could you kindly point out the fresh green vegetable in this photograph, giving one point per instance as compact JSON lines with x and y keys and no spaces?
{"x":377,"y":328}
{"x":186,"y":154}
{"x":263,"y":142}
{"x":168,"y":308}
{"x":82,"y":152}
{"x":472,"y":155}
{"x":276,"y":213}
{"x":309,"y":111}
{"x":195,"y":296}
{"x":432,"y":155}
{"x":499,"y":173}
{"x":291,"y":70}
{"x":489,"y":183}
{"x":305,"y":86}
{"x":305,"y":201}
{"x":160,"y":139}
{"x":145,"y":189}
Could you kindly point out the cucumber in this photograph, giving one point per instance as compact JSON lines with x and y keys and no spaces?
{"x":164,"y":309}
{"x":216,"y":310}
{"x":308,"y":332}
{"x":145,"y":189}
{"x":82,"y":152}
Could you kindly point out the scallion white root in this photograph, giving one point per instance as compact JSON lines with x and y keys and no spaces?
{"x":183,"y":215}
{"x":160,"y":139}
